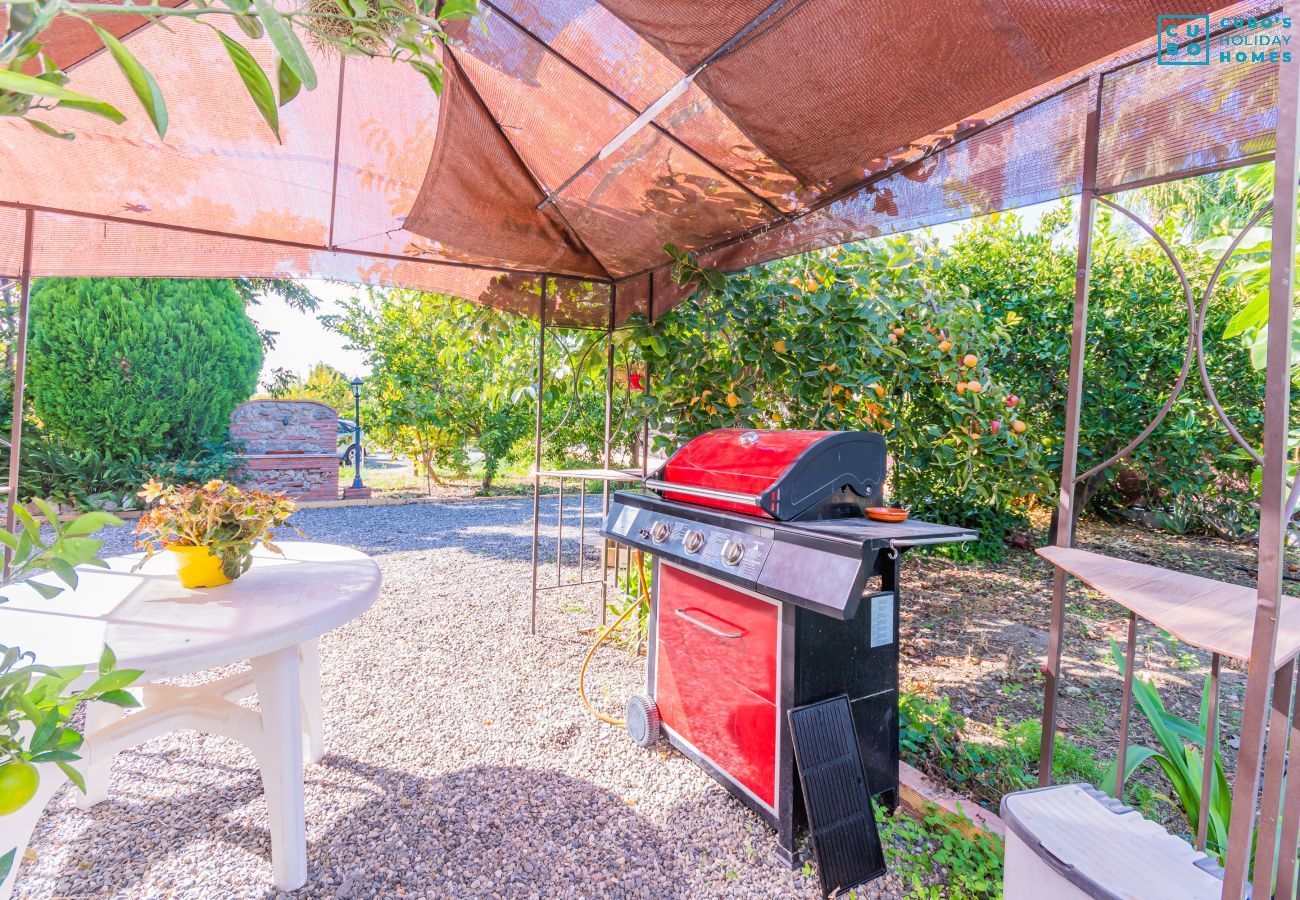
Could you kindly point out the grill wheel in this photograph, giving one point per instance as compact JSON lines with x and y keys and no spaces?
{"x":642,"y":721}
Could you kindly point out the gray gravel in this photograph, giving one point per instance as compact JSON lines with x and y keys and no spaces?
{"x":459,"y":761}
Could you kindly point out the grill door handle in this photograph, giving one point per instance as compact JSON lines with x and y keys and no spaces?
{"x":732,"y":635}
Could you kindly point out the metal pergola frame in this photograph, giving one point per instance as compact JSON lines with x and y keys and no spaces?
{"x":1268,"y":723}
{"x":605,"y":476}
{"x":1270,"y":732}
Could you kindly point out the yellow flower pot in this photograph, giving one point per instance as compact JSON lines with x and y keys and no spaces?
{"x":198,"y":567}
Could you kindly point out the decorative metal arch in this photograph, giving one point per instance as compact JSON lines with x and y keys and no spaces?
{"x":1196,"y":319}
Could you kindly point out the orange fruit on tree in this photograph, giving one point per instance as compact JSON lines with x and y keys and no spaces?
{"x":961,"y":387}
{"x":974,"y":387}
{"x":18,"y":782}
{"x":970,"y":360}
{"x":879,"y":389}
{"x":899,"y":332}
{"x":779,"y":346}
{"x":732,"y":400}
{"x":945,"y":346}
{"x":1019,"y":427}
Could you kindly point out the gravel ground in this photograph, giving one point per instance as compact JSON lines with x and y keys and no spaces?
{"x":459,"y":761}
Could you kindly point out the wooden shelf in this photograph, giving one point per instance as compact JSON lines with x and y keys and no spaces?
{"x":1213,"y":615}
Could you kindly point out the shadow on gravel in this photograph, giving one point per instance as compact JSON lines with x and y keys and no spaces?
{"x":491,"y":830}
{"x":479,"y":831}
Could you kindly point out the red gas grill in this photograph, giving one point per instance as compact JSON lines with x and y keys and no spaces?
{"x":771,"y":590}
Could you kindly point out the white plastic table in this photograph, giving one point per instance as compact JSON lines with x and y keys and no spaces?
{"x":270,"y":616}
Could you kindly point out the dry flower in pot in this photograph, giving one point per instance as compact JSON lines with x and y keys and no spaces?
{"x":211,"y":530}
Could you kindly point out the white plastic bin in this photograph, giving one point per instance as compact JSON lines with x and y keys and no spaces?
{"x":1072,"y":841}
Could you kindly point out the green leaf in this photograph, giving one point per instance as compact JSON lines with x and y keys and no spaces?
{"x":49,"y":129}
{"x":113,"y":681}
{"x":90,"y":523}
{"x":286,"y":42}
{"x":124,"y":699}
{"x":7,"y":864}
{"x":50,"y":756}
{"x":107,"y":660}
{"x":1252,"y":315}
{"x":1134,"y":756}
{"x":51,"y":514}
{"x":288,"y":82}
{"x":30,"y":525}
{"x":48,"y":591}
{"x":431,"y":73}
{"x":73,"y":775}
{"x":255,"y":81}
{"x":19,"y":83}
{"x":142,"y":83}
{"x":458,"y":9}
{"x":66,"y":573}
{"x":251,"y":26}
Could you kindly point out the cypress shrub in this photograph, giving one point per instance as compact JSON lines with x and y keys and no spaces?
{"x":145,"y":365}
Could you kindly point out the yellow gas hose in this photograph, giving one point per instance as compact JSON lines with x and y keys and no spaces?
{"x":582,"y":673}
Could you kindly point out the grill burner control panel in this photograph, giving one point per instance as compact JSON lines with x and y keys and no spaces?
{"x":726,"y":551}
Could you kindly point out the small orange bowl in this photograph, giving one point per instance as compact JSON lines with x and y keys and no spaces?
{"x":887,"y":513}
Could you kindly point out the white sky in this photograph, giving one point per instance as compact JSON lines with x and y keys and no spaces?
{"x":303,"y":341}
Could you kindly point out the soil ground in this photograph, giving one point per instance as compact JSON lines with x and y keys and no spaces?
{"x":977,"y":634}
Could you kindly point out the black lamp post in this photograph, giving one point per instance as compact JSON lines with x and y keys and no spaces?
{"x":356,"y":445}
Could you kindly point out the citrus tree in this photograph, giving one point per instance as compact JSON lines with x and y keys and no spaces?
{"x":1022,"y":280}
{"x":447,"y":376}
{"x":851,"y":339}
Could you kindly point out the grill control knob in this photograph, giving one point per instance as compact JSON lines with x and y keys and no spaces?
{"x":694,"y":542}
{"x":659,"y":532}
{"x":733,"y":552}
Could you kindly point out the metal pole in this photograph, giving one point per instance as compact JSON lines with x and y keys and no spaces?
{"x":20,"y":378}
{"x":645,"y":422}
{"x":1073,"y":402}
{"x":1272,"y":527}
{"x":1279,"y":723}
{"x":559,"y":539}
{"x":1286,"y":875}
{"x":1210,"y":750}
{"x":1126,"y":705}
{"x":609,"y":419}
{"x":537,"y":444}
{"x":356,"y":440}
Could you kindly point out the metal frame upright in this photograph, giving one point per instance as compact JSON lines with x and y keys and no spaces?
{"x":605,"y":476}
{"x":15,"y":442}
{"x":1270,"y":732}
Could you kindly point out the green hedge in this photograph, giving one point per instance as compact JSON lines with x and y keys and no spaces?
{"x":150,"y":366}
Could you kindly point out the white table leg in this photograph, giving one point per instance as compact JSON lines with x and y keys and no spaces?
{"x":313,"y":733}
{"x":98,"y":715}
{"x":277,"y":678}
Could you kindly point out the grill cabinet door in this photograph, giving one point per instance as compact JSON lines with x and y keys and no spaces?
{"x":716,"y":675}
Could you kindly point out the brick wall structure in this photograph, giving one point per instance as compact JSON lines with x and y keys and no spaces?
{"x":290,"y":446}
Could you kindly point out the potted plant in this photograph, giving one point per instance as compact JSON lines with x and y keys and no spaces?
{"x":211,"y":530}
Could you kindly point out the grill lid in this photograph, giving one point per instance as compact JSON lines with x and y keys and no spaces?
{"x":782,"y":475}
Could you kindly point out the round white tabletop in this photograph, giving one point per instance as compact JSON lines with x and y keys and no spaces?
{"x":154,"y":624}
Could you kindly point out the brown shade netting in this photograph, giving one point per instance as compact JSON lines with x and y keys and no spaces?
{"x":811,"y":123}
